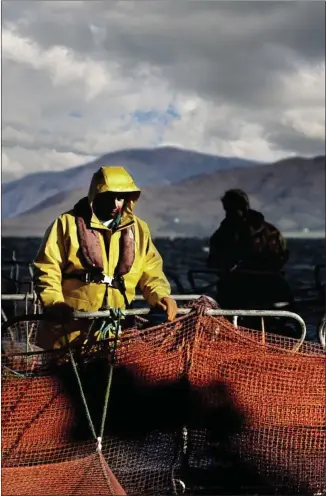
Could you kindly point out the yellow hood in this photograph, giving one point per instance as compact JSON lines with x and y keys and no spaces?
{"x":113,"y":179}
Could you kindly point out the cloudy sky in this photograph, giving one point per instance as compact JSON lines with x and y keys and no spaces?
{"x":80,"y":79}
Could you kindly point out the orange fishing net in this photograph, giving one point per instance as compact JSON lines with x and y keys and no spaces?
{"x":197,"y":401}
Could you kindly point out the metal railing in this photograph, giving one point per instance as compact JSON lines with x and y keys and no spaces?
{"x":18,"y":296}
{"x":32,"y":297}
{"x":29,"y":299}
{"x":181,"y":311}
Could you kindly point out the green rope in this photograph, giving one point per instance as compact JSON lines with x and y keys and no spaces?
{"x":89,"y":418}
{"x":107,"y":328}
{"x":116,"y":221}
{"x":108,"y":389}
{"x":28,"y":375}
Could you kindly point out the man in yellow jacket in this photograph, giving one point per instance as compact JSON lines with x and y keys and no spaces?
{"x":95,"y":255}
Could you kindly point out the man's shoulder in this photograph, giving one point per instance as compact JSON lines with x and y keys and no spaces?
{"x":65,"y":218}
{"x":141,"y":224}
{"x":222,"y":229}
{"x":68,"y":215}
{"x":271,"y":229}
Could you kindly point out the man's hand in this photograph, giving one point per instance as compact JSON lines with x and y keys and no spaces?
{"x":169,"y":306}
{"x":59,"y":312}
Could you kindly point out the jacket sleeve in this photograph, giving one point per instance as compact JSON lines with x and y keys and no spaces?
{"x":49,"y":261}
{"x":153,"y":283}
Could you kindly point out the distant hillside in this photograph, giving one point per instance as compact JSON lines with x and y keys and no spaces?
{"x":150,"y":167}
{"x":290,"y":193}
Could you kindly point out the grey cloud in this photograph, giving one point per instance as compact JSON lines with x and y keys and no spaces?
{"x":218,"y":48}
{"x":286,"y":138}
{"x":50,"y":144}
{"x":147,"y":30}
{"x":221,"y":52}
{"x":230,"y":52}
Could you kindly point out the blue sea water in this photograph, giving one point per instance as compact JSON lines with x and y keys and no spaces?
{"x":183,"y":254}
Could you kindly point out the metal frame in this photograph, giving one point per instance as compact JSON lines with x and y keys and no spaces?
{"x":14,"y":271}
{"x":174,"y":276}
{"x":181,"y":311}
{"x":322,"y":332}
{"x":192,"y":272}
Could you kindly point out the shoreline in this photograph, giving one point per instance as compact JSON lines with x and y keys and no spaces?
{"x":304,"y":235}
{"x":286,"y":234}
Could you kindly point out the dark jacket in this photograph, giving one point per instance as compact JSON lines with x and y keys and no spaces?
{"x":250,"y":242}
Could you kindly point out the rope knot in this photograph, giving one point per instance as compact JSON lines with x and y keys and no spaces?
{"x":99,"y":445}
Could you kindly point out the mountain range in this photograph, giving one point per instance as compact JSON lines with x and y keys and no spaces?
{"x":151,"y":167}
{"x":181,"y":192}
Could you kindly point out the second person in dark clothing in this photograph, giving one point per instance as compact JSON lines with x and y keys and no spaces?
{"x":245,"y":242}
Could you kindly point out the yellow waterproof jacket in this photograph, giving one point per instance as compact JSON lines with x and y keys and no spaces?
{"x":60,"y":253}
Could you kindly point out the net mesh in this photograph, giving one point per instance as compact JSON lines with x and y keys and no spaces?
{"x":196,"y":400}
